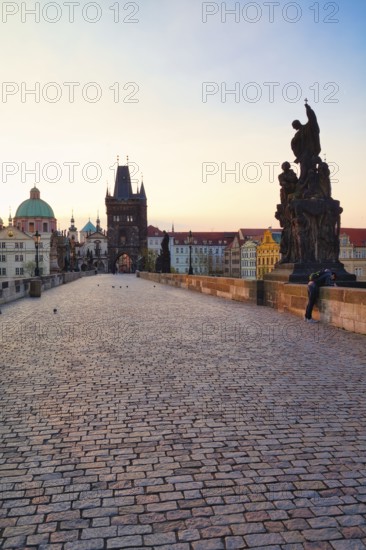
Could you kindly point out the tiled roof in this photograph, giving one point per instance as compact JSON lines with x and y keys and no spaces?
{"x":153,"y":231}
{"x":356,"y":236}
{"x":204,"y":238}
{"x":89,"y":227}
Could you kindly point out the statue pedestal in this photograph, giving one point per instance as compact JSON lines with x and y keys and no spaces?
{"x":299,"y":272}
{"x":310,"y":241}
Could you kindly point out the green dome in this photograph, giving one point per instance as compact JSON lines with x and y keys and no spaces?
{"x":34,"y":207}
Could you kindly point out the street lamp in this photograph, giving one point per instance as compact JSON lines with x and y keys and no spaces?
{"x":190,"y":242}
{"x":37,"y":240}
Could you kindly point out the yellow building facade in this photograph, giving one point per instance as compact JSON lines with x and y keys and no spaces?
{"x":268,"y":254}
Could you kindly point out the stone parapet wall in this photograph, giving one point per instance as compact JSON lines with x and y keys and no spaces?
{"x":338,"y":306}
{"x":222,"y":287}
{"x":13,"y":289}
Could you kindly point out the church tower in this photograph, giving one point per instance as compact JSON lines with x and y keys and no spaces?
{"x":127,"y":224}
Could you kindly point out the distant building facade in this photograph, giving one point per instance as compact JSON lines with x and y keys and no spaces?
{"x":248,"y":257}
{"x":92,"y":251}
{"x":207,"y":251}
{"x":268,"y":253}
{"x":232,"y":257}
{"x":353,"y":251}
{"x":17,"y":254}
{"x":17,"y":244}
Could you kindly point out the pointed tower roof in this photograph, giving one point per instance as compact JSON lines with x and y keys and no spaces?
{"x":142,"y":191}
{"x":123,"y":187}
{"x":72,"y":221}
{"x":98,"y":228}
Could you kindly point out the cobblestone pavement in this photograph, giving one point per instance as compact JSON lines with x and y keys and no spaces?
{"x":144,"y":416}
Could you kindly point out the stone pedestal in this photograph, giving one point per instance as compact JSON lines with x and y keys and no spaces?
{"x":310,"y":240}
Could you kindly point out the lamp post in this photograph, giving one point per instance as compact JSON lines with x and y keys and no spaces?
{"x":190,"y":241}
{"x":37,"y":240}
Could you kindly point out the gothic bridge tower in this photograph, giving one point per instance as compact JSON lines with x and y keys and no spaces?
{"x":127,"y":224}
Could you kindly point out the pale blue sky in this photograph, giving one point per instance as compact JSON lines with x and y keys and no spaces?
{"x":170,"y":132}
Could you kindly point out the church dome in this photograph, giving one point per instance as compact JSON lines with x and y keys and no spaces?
{"x":34,"y":207}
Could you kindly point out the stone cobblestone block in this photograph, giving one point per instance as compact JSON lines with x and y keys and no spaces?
{"x":125,"y":542}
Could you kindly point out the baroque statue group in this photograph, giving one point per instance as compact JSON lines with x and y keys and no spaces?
{"x":309,"y":217}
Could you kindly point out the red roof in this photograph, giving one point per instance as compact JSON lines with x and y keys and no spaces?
{"x":153,"y":231}
{"x":356,"y":236}
{"x":204,"y":237}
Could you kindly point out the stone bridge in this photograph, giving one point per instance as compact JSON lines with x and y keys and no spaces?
{"x":140,"y":415}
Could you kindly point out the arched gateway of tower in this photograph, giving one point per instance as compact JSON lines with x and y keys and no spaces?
{"x":127,"y":224}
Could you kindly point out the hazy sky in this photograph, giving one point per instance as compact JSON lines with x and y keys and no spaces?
{"x":152,"y":79}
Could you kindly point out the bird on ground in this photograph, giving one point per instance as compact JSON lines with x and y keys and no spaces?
{"x":54,"y":310}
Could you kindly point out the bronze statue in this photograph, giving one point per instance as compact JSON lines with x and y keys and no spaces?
{"x":306,"y":142}
{"x":307,"y":213}
{"x":288,"y":180}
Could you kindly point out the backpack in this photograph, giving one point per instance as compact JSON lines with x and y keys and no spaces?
{"x":320,"y":277}
{"x":317,"y":274}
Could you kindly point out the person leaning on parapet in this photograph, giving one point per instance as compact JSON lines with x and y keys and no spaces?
{"x":325,"y":277}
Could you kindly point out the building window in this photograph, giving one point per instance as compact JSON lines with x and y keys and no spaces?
{"x":31,"y":227}
{"x":19,"y":271}
{"x":3,"y":271}
{"x":2,"y":258}
{"x":45,"y":227}
{"x":3,"y":245}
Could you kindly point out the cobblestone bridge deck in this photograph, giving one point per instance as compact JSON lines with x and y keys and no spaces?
{"x":143,"y":416}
